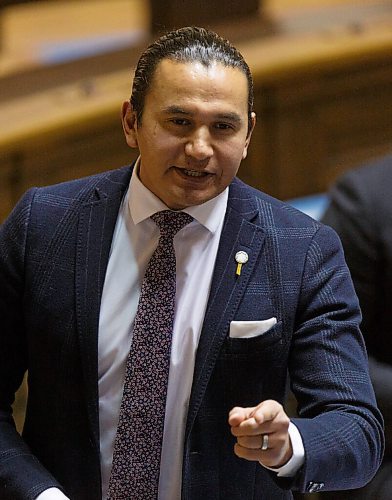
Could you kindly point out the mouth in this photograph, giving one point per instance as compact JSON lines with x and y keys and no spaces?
{"x":187,"y":172}
{"x":194,"y":173}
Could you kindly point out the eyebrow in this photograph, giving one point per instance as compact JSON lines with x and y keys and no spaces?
{"x":175,"y":110}
{"x":233,"y":117}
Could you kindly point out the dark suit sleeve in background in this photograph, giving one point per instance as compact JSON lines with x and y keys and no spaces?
{"x":361,"y":213}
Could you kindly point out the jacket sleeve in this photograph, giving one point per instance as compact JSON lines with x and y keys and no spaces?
{"x":339,"y":422}
{"x":22,"y":477}
{"x":360,"y":213}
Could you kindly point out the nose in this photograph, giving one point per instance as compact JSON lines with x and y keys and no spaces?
{"x":199,"y":146}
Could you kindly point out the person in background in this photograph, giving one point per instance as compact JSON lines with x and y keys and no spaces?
{"x":159,"y":309}
{"x":360,"y":211}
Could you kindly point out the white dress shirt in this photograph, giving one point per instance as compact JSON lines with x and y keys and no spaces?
{"x":134,"y":240}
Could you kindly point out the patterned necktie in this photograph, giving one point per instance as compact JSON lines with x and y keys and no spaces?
{"x":138,"y":443}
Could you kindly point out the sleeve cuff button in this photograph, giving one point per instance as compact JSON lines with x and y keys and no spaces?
{"x":313,"y":487}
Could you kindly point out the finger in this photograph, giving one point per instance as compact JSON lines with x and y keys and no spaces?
{"x":272,"y":457}
{"x":269,"y":458}
{"x":251,"y":442}
{"x":246,"y":453}
{"x":239,"y":414}
{"x":267,"y":411}
{"x":266,"y":417}
{"x":250,"y":427}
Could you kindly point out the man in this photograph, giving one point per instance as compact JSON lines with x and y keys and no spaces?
{"x":361,"y":212}
{"x":261,"y":291}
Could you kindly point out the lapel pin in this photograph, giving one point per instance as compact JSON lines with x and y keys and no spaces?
{"x":241,"y":258}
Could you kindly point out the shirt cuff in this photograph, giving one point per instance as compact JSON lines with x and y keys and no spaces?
{"x":52,"y":494}
{"x":290,"y":468}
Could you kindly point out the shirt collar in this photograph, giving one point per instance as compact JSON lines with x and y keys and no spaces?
{"x":143,"y":203}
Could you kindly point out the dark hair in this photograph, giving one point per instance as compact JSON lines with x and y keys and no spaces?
{"x":190,"y":44}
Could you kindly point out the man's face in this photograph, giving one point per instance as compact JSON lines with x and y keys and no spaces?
{"x":194,"y":131}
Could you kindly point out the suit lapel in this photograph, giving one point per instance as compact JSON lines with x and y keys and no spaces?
{"x":239,"y":233}
{"x":95,"y":230}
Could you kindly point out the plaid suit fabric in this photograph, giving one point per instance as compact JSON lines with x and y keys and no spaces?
{"x":296,"y":272}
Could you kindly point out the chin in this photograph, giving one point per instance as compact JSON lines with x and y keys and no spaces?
{"x":191,"y":202}
{"x":181,"y":202}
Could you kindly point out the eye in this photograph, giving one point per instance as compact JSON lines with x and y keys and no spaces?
{"x":224,"y":126}
{"x":180,"y":121}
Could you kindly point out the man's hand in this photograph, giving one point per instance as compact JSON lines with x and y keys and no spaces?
{"x":250,"y":424}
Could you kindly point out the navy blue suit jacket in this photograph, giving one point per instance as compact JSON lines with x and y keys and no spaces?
{"x":361,"y":213}
{"x":54,"y":251}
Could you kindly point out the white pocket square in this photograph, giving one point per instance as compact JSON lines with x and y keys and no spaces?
{"x":249,"y":329}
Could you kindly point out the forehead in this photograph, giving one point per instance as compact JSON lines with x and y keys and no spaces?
{"x":190,"y":81}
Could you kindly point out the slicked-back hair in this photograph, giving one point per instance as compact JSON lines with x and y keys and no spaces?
{"x":187,"y":45}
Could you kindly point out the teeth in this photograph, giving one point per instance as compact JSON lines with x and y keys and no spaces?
{"x":193,"y":173}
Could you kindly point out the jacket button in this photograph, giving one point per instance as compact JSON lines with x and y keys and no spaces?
{"x":314,"y":487}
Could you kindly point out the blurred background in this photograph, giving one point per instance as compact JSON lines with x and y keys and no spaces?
{"x":322,"y":70}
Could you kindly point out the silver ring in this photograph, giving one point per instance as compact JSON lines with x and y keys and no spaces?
{"x":264,"y":442}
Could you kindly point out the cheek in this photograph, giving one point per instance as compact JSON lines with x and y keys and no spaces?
{"x":230,"y":159}
{"x":164,"y":147}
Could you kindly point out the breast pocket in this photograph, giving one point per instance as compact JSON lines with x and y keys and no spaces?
{"x":248,"y":329}
{"x":251,"y":369}
{"x":256,"y":338}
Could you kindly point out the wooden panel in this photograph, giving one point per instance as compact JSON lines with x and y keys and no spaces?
{"x":314,"y":126}
{"x":9,"y":185}
{"x":69,"y":156}
{"x":175,"y":13}
{"x":323,"y":102}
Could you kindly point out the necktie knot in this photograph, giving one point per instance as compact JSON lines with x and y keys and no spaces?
{"x":170,"y":222}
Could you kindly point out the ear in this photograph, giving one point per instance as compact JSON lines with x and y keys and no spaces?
{"x":129,"y":123}
{"x":253,"y":123}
